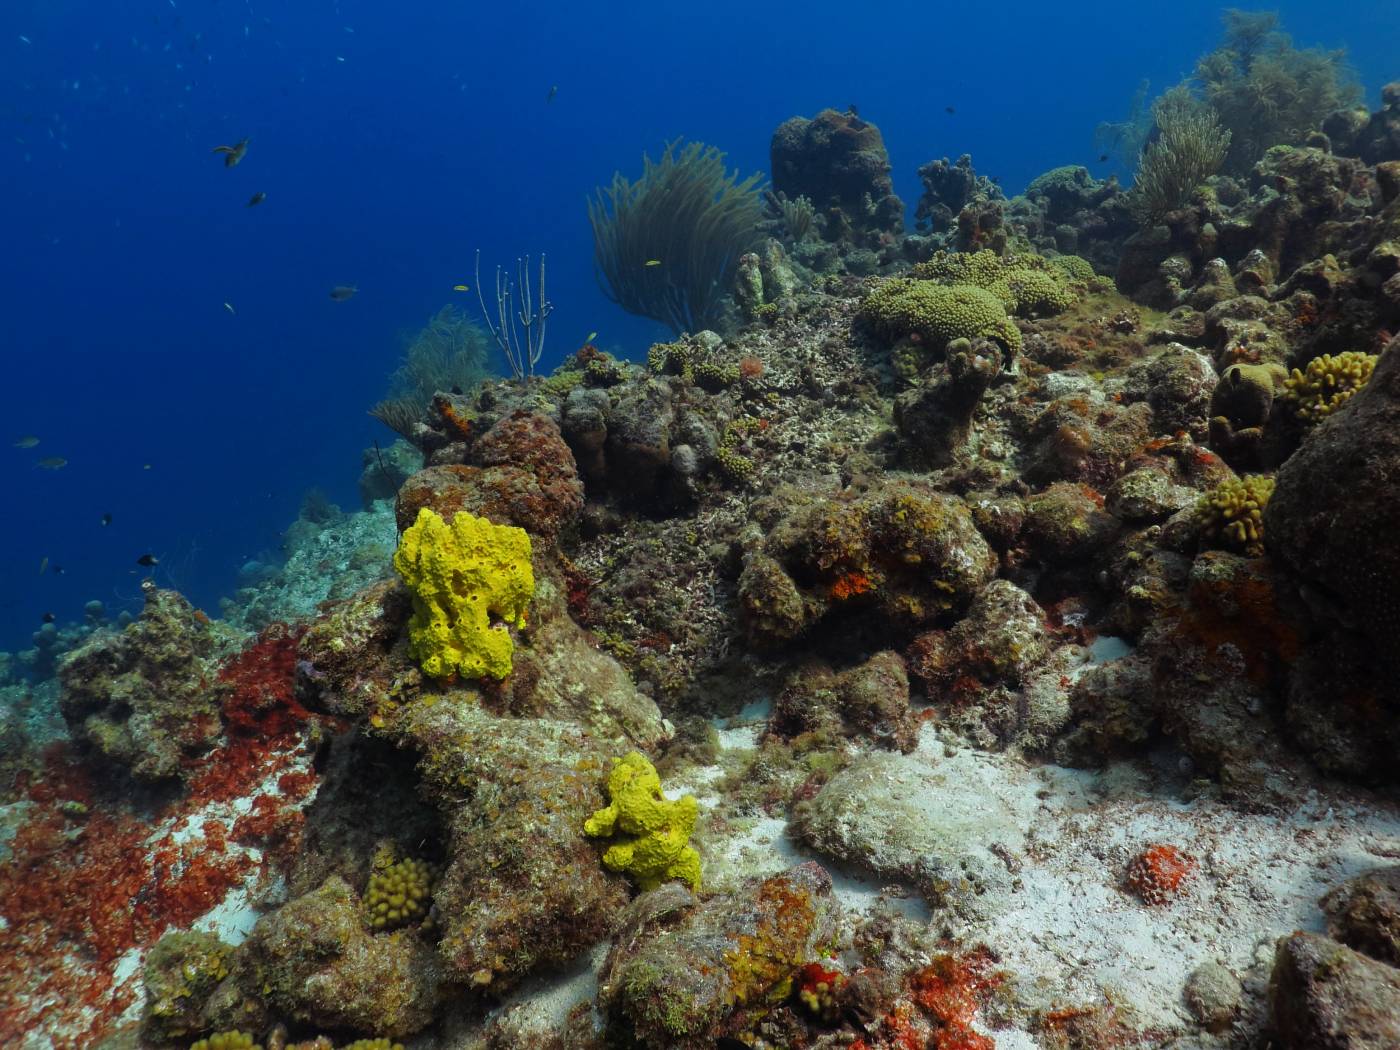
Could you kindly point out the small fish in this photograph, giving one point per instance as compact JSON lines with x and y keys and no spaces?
{"x":996,"y":180}
{"x":145,"y":466}
{"x":150,"y":561}
{"x":949,"y":110}
{"x":24,"y":39}
{"x":43,"y":565}
{"x":230,"y":309}
{"x":257,"y":199}
{"x":232,"y":154}
{"x":341,"y":292}
{"x":553,"y":90}
{"x":106,"y":520}
{"x":57,"y":570}
{"x":852,"y":110}
{"x":1103,"y":157}
{"x":28,"y":441}
{"x":52,"y":463}
{"x":652,"y":262}
{"x":461,"y":288}
{"x":591,"y":336}
{"x":49,"y":617}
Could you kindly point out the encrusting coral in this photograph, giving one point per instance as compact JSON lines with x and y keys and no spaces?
{"x":1327,"y":383}
{"x":651,"y":832}
{"x":470,"y":579}
{"x":1232,"y":514}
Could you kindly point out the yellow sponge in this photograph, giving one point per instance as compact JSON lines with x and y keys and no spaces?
{"x":471,"y":580}
{"x":650,"y":832}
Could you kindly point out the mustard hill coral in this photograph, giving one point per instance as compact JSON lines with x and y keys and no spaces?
{"x":1232,"y":514}
{"x":374,"y":1044}
{"x":938,"y":314}
{"x":650,"y":832}
{"x":398,"y":895}
{"x":1327,"y":383}
{"x":227,"y":1041}
{"x":1027,"y":285}
{"x":470,"y":580}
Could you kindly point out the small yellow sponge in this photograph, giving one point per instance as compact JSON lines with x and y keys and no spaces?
{"x":470,"y":580}
{"x":650,"y":832}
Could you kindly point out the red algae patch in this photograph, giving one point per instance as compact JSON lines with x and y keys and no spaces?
{"x":89,"y":888}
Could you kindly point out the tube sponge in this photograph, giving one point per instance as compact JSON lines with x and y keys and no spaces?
{"x":471,"y":580}
{"x":650,"y":832}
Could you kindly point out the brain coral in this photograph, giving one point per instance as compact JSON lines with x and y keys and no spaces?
{"x":939,"y":314}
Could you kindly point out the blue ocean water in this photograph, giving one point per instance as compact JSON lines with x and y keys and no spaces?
{"x":392,"y":141}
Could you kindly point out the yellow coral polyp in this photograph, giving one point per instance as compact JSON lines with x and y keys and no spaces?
{"x":1327,"y":383}
{"x":471,"y":581}
{"x":1232,"y":514}
{"x":650,"y":832}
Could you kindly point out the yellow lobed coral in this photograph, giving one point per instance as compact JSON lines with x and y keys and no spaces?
{"x":939,"y":314}
{"x":1232,"y":514}
{"x":1327,"y":383}
{"x":227,"y":1041}
{"x":398,"y":895}
{"x":650,"y":832}
{"x":470,"y":580}
{"x":374,"y":1044}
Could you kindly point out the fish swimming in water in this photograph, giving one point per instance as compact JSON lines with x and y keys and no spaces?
{"x":949,"y":110}
{"x":652,"y":262}
{"x":57,"y":570}
{"x":49,"y":617}
{"x":341,"y":292}
{"x":52,"y":463}
{"x":106,"y":519}
{"x":461,"y":288}
{"x":257,"y":199}
{"x":232,"y":154}
{"x":28,"y":441}
{"x":230,"y":309}
{"x":150,"y":561}
{"x":553,"y":90}
{"x":43,"y":565}
{"x":1103,"y":157}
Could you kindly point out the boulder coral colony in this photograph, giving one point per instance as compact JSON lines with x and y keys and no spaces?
{"x":989,"y":640}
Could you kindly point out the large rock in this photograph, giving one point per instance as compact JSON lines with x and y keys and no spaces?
{"x":1324,"y":996}
{"x":686,"y":975}
{"x":906,"y":819}
{"x":1331,"y":523}
{"x":1364,"y":913}
{"x":838,"y":161}
{"x":146,"y":698}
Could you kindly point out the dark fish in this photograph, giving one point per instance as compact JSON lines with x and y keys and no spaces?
{"x":1103,"y":157}
{"x":49,"y":617}
{"x":150,"y":561}
{"x":852,"y":110}
{"x":57,"y":570}
{"x":232,"y":154}
{"x":52,"y":463}
{"x":553,"y":90}
{"x":996,"y":180}
{"x":106,"y":519}
{"x":257,"y":199}
{"x":949,"y":110}
{"x":341,"y":292}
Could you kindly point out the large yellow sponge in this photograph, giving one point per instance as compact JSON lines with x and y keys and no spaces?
{"x":471,"y":581}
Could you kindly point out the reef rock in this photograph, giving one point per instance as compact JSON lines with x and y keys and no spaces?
{"x":687,"y":975}
{"x":1324,"y":996}
{"x":838,"y":161}
{"x":146,"y":697}
{"x":1364,"y":914}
